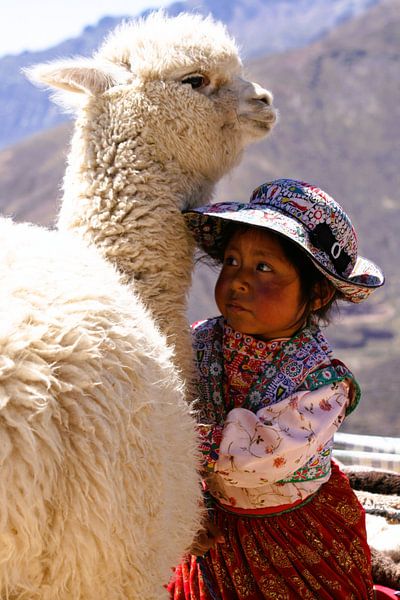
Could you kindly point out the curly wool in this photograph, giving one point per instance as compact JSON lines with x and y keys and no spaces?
{"x":89,"y":404}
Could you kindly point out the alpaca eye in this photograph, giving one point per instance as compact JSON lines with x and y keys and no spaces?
{"x":196,"y":81}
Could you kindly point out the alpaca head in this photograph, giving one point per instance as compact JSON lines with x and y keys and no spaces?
{"x":171,"y":90}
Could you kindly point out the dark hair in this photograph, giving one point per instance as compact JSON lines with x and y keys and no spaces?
{"x":313,"y":282}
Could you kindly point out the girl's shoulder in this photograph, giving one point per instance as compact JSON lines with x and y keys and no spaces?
{"x":207,"y":330}
{"x":206,"y":323}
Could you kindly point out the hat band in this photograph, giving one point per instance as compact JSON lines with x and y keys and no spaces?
{"x":322,"y":238}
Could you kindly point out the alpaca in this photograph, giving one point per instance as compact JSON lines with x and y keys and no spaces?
{"x":100,"y":494}
{"x":163,"y":113}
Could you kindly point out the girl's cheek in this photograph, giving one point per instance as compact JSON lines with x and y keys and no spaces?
{"x":218,"y":292}
{"x":282,"y":286}
{"x":271,"y":289}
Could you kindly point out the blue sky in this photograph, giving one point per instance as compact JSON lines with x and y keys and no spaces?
{"x":38,"y":24}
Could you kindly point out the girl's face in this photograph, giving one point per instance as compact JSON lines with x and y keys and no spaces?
{"x":258,"y":290}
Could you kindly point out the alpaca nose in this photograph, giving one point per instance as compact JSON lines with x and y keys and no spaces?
{"x":253,"y":92}
{"x":255,"y":109}
{"x":262,"y":95}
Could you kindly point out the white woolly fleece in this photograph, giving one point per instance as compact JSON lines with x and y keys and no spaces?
{"x":151,"y":47}
{"x":99,"y":495}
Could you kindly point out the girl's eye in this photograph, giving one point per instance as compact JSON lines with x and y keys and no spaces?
{"x":263,"y":267}
{"x":230,"y":261}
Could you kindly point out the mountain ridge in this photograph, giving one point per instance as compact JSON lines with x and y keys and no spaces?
{"x":24,"y":110}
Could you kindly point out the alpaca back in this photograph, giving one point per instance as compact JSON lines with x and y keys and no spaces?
{"x":98,"y":446}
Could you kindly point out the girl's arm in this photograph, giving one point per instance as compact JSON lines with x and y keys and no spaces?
{"x":210,"y":439}
{"x":270,"y":445}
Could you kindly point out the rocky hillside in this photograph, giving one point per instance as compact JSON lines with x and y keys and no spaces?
{"x":25,"y":110}
{"x":339,"y":128}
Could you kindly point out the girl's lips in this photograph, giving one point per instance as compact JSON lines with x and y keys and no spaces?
{"x":236,"y":307}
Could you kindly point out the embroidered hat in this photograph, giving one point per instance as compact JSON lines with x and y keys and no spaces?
{"x":306,"y":215}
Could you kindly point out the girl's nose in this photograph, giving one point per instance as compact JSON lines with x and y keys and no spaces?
{"x":240,"y":282}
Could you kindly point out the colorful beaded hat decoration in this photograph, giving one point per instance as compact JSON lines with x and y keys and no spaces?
{"x":306,"y":215}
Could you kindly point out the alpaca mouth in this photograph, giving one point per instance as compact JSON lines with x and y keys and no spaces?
{"x":262,"y":120}
{"x":267,"y":125}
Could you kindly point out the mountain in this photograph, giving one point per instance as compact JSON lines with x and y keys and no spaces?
{"x":293,"y":23}
{"x":25,"y":109}
{"x":30,"y":175}
{"x":339,"y":107}
{"x":269,"y":26}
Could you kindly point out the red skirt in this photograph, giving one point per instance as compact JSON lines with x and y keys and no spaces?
{"x":318,"y":551}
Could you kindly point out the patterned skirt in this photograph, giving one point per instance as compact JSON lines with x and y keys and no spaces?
{"x":318,"y":551}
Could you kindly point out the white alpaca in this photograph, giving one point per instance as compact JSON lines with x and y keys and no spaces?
{"x":99,"y":489}
{"x":163,"y":114}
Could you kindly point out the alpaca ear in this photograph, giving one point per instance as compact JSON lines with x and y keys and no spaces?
{"x":80,"y":75}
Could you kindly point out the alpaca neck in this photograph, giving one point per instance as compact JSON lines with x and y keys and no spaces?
{"x":132,"y":213}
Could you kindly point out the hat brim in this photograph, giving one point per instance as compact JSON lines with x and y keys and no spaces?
{"x":208,"y":226}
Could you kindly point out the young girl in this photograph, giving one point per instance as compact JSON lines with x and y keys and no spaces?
{"x":283,"y":520}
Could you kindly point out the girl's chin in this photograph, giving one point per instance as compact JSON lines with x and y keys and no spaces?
{"x":244,"y":327}
{"x":239,"y":323}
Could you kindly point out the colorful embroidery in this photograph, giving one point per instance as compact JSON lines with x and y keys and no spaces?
{"x":293,"y":361}
{"x":317,"y":467}
{"x":334,"y":373}
{"x":258,"y":374}
{"x":210,"y":439}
